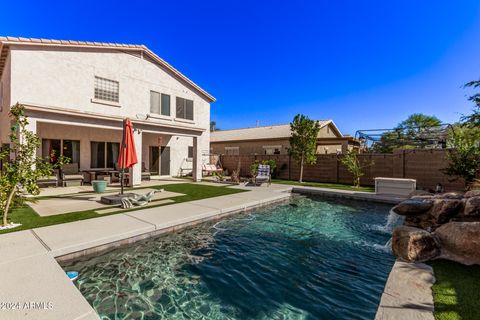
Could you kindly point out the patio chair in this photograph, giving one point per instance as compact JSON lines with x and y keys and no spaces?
{"x":145,"y":173}
{"x":49,"y":181}
{"x":71,"y":175}
{"x":263,"y":174}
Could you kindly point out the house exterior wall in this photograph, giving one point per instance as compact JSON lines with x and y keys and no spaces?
{"x":5,"y":102}
{"x":64,"y":78}
{"x":257,"y":147}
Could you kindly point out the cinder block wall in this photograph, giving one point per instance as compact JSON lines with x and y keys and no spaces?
{"x":423,"y":165}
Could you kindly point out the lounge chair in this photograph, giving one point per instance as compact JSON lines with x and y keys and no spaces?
{"x":263,"y":174}
{"x":138,"y":200}
{"x":71,"y":176}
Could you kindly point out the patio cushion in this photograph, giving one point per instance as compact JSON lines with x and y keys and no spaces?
{"x":263,"y":170}
{"x":73,"y":177}
{"x":47,"y":179}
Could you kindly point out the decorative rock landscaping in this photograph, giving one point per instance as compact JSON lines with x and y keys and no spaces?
{"x":445,"y":226}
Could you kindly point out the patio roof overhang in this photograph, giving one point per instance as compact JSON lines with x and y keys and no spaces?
{"x":55,"y":115}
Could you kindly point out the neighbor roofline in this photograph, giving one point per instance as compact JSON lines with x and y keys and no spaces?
{"x":5,"y":42}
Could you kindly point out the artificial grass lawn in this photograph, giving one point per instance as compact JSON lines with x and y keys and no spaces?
{"x":30,"y":219}
{"x":324,"y":185}
{"x":456,"y":293}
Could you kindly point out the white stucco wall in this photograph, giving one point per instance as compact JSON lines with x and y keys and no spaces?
{"x":5,"y":103}
{"x":64,"y":78}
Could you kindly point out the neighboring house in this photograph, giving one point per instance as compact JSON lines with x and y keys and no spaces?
{"x":77,"y":93}
{"x":274,"y":139}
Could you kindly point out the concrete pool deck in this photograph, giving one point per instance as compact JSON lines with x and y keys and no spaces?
{"x":34,"y":286}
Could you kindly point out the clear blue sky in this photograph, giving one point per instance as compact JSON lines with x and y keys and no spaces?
{"x":364,"y":64}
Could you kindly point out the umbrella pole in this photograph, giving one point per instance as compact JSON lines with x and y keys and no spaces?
{"x":123,"y":160}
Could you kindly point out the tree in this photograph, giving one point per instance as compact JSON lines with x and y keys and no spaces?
{"x":303,"y":141}
{"x":21,"y":173}
{"x":408,"y":134}
{"x":213,"y":126}
{"x":473,"y":120}
{"x":350,"y":160}
{"x":464,"y":155}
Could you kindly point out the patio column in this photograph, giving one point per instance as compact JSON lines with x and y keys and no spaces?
{"x":197,"y":160}
{"x":136,"y":171}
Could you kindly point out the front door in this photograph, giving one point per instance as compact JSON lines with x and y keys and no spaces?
{"x":165,"y":161}
{"x":154,"y":160}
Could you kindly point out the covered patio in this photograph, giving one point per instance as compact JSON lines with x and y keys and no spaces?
{"x":92,"y":142}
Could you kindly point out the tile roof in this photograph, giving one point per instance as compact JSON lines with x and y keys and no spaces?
{"x":258,"y":133}
{"x":5,"y":42}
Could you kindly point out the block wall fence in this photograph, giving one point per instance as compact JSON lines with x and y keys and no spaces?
{"x":423,"y":165}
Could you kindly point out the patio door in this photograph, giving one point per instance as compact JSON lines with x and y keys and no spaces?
{"x":154,"y":160}
{"x":165,"y":161}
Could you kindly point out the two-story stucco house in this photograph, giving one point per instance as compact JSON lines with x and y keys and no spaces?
{"x":77,"y":94}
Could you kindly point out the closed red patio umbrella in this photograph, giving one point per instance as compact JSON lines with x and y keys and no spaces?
{"x":128,"y":154}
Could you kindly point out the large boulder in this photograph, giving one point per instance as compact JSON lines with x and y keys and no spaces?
{"x":472,"y":207}
{"x":449,"y":195}
{"x":460,"y":242}
{"x":444,"y":209}
{"x":413,"y":207}
{"x":472,"y":193}
{"x":414,"y":245}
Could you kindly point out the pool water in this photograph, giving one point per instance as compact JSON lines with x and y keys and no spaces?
{"x":312,"y":258}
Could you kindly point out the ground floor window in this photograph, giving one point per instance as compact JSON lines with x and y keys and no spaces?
{"x":52,"y":149}
{"x":232,"y":151}
{"x":104,"y":154}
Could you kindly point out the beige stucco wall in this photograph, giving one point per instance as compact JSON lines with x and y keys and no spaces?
{"x":64,"y":78}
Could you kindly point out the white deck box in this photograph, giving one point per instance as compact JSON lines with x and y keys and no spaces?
{"x":395,"y":186}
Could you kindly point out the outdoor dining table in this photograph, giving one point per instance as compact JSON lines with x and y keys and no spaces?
{"x":100,"y":171}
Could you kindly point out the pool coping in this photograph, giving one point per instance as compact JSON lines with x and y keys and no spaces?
{"x":348,"y":194}
{"x":407,"y":293}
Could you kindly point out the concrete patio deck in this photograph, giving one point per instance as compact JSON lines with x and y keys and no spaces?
{"x":84,"y":201}
{"x":29,"y":268}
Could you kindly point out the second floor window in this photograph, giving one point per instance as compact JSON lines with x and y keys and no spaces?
{"x":159,"y":103}
{"x":106,"y":89}
{"x":184,"y":108}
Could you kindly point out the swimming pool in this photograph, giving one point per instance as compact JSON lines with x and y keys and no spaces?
{"x":313,"y":258}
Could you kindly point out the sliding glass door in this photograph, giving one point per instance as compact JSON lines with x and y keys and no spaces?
{"x":104,"y":154}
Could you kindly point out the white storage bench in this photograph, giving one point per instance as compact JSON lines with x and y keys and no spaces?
{"x":395,"y":186}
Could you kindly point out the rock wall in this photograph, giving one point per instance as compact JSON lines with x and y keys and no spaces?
{"x":437,"y":226}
